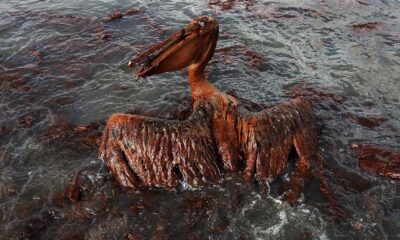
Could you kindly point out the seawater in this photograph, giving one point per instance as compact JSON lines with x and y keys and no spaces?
{"x":64,"y":64}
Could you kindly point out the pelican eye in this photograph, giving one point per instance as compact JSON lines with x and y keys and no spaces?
{"x":201,"y":23}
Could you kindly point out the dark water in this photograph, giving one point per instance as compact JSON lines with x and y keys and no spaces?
{"x":62,"y":68}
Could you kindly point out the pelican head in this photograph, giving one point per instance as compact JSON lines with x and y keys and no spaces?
{"x":194,"y":44}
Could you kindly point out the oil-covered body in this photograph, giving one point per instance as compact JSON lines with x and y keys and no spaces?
{"x":220,"y":135}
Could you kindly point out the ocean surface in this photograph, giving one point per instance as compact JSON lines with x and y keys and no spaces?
{"x":63,"y":72}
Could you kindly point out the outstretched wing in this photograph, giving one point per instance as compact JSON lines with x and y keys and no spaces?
{"x":268,"y":137}
{"x":152,"y":152}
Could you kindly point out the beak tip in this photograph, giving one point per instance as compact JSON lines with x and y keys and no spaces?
{"x":139,"y":74}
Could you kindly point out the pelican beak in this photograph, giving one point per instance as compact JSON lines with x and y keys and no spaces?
{"x":180,"y":50}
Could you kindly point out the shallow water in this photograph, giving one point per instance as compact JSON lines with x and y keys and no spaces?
{"x":62,"y":67}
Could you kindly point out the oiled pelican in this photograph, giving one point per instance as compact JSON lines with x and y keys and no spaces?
{"x":218,"y":136}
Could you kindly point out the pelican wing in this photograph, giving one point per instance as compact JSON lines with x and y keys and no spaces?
{"x":152,"y":152}
{"x":267,"y":138}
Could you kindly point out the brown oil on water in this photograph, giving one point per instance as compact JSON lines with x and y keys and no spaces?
{"x":63,"y":74}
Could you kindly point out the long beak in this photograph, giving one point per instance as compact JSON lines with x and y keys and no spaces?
{"x":146,"y":59}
